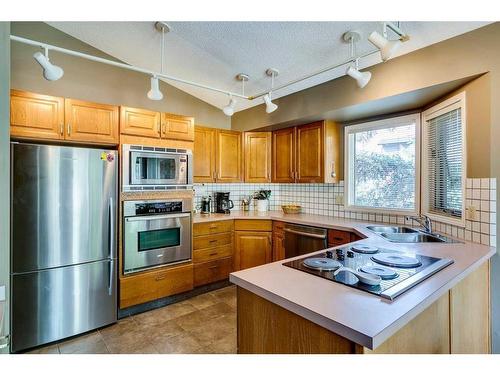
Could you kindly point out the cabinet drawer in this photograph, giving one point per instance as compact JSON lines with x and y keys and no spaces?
{"x":156,"y":284}
{"x":201,"y":229}
{"x":213,"y":240}
{"x":338,"y":237}
{"x":254,"y":225}
{"x":209,"y":272}
{"x":204,"y":255}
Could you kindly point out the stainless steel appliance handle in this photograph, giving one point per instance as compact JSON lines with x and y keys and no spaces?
{"x":111,"y":274}
{"x":111,"y":228}
{"x":156,"y":217}
{"x":312,"y":235}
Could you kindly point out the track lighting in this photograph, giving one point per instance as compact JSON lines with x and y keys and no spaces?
{"x":229,"y":109}
{"x":155,"y":93}
{"x":51,"y":72}
{"x":387,"y":47}
{"x":270,"y":106}
{"x":362,"y":78}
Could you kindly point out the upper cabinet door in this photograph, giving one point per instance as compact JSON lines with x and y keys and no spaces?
{"x":310,"y":149}
{"x":177,"y":127}
{"x":283,"y":164}
{"x":140,"y":122}
{"x":91,"y":122}
{"x":257,"y":156}
{"x":229,"y":156}
{"x":36,"y":116}
{"x":204,"y":154}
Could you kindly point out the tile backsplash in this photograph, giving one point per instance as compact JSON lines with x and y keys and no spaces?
{"x":327,"y":199}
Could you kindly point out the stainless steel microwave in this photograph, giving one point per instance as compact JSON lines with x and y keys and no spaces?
{"x":156,"y":168}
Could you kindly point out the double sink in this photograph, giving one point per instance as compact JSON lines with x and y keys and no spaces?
{"x":407,"y":235}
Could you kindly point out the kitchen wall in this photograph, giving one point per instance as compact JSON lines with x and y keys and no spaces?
{"x":92,"y":81}
{"x":4,"y":180}
{"x":321,"y":199}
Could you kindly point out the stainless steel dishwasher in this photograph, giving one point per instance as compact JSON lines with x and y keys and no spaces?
{"x":301,"y":239}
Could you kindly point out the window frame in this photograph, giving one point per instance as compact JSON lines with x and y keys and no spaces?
{"x":455,"y":102}
{"x":349,"y":166}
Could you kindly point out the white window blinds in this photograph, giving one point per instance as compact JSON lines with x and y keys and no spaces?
{"x":445,"y":163}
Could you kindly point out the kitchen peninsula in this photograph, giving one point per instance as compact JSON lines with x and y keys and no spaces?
{"x":283,"y":310}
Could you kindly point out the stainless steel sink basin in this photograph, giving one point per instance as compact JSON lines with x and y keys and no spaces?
{"x":390,"y":229}
{"x":411,"y":237}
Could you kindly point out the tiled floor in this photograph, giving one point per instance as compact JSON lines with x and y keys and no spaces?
{"x":202,"y":324}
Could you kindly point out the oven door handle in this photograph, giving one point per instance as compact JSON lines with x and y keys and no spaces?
{"x":156,"y":217}
{"x":312,"y":235}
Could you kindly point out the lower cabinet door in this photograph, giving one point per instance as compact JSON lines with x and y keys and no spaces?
{"x":209,"y":272}
{"x":252,"y":249}
{"x":61,"y":302}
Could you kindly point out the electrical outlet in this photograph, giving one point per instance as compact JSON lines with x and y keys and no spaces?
{"x":339,"y":199}
{"x":471,"y":213}
{"x":2,"y":293}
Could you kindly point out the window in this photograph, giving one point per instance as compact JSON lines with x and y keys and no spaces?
{"x":444,"y":161}
{"x":382,"y":165}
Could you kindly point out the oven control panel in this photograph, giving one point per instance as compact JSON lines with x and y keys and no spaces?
{"x":158,"y":208}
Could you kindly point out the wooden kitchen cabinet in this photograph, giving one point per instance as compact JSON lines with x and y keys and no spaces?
{"x":151,"y":285}
{"x":36,"y":116}
{"x":309,"y":153}
{"x":252,"y":249}
{"x":218,"y":155}
{"x":204,"y":167}
{"x":140,"y":122}
{"x":257,"y":156}
{"x":278,"y":241}
{"x":229,"y":156}
{"x":177,"y":127}
{"x":212,"y":251}
{"x":252,"y":243}
{"x":338,"y":237}
{"x":283,"y":155}
{"x":91,"y":122}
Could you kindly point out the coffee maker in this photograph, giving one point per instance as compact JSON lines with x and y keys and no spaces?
{"x":222,"y":203}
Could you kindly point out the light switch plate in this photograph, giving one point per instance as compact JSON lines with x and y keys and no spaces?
{"x":2,"y":293}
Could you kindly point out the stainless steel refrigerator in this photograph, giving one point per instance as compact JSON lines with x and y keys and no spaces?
{"x":63,"y":242}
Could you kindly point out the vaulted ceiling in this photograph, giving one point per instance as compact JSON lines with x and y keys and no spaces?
{"x":213,"y":53}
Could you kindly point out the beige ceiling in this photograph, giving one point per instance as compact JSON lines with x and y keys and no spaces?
{"x":212,"y":53}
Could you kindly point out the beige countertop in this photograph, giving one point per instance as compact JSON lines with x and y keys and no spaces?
{"x":361,"y":317}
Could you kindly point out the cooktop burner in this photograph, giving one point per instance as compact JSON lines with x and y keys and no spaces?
{"x":322,"y":264}
{"x":364,"y":249}
{"x":396,"y":260}
{"x":384,"y":272}
{"x":398,"y":271}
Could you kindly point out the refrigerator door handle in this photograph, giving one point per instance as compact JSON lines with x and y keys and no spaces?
{"x":111,"y":229}
{"x":111,"y":274}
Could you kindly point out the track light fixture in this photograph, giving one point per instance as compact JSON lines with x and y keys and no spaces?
{"x":362,"y":78}
{"x":229,"y":109}
{"x":51,"y":72}
{"x":388,"y":47}
{"x":270,"y":106}
{"x":155,"y":93}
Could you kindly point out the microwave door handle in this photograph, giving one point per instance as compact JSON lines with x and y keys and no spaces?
{"x":156,"y":217}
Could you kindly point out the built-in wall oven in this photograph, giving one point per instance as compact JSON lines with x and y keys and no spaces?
{"x":156,"y":168}
{"x":156,"y":232}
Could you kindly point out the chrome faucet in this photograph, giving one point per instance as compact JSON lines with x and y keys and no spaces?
{"x":424,"y":221}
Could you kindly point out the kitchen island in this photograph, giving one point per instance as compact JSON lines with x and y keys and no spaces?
{"x":283,"y":310}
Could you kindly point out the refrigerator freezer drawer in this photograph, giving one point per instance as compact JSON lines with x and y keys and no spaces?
{"x":54,"y":304}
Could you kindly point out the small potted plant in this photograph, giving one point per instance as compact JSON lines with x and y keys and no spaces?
{"x":262,"y":198}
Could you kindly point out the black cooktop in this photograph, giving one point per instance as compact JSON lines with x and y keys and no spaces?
{"x":399,"y":271}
